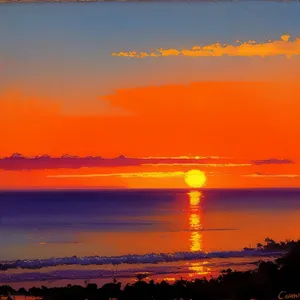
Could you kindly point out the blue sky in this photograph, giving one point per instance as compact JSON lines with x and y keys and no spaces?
{"x":51,"y":46}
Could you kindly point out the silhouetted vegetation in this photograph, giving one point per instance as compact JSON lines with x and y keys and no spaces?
{"x":270,"y":280}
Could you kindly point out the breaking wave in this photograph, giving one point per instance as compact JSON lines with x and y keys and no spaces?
{"x":151,"y":258}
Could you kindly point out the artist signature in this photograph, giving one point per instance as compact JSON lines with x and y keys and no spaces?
{"x":286,"y":295}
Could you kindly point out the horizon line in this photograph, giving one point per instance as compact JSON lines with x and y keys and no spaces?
{"x":144,"y":189}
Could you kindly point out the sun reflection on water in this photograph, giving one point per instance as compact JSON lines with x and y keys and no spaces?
{"x":195,"y":221}
{"x":199,"y":268}
{"x":195,"y":197}
{"x":195,"y":227}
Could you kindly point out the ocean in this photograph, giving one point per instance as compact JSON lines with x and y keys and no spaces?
{"x":54,"y":236}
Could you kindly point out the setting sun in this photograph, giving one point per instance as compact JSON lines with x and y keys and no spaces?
{"x":195,"y":178}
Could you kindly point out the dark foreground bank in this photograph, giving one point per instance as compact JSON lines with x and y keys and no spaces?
{"x":279,"y":279}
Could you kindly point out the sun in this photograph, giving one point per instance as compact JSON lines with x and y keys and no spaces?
{"x":195,"y":178}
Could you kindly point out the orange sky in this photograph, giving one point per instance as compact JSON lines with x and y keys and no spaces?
{"x":246,"y":120}
{"x":196,"y":82}
{"x":207,"y":118}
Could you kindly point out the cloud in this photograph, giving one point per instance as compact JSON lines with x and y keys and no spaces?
{"x":19,"y":162}
{"x":272,"y":161}
{"x":124,"y":175}
{"x":185,"y":157}
{"x":262,"y":175}
{"x":178,"y":174}
{"x":221,"y":165}
{"x":250,"y":48}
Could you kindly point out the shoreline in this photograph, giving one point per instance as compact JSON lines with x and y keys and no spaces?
{"x":266,"y":279}
{"x":58,"y":276}
{"x":149,"y":258}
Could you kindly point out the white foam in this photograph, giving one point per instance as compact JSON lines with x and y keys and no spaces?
{"x":151,"y":258}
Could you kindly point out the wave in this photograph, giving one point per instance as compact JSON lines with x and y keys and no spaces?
{"x":56,"y":275}
{"x":151,"y":258}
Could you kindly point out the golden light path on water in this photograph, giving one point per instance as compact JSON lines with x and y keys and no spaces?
{"x":195,"y":221}
{"x":195,"y":227}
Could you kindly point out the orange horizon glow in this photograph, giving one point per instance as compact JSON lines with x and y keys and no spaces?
{"x":264,"y":126}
